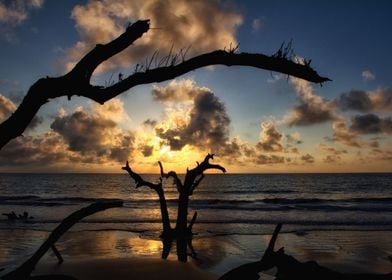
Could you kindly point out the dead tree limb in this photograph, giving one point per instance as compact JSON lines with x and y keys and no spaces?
{"x":183,"y":230}
{"x":173,"y":174}
{"x":191,"y":181}
{"x":77,"y":81}
{"x":288,"y":268}
{"x":161,"y":194}
{"x":24,"y":271}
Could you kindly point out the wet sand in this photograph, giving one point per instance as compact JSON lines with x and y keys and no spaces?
{"x":125,"y":252}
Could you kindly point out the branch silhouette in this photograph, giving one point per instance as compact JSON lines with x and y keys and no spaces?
{"x":24,"y":270}
{"x":289,"y":268}
{"x":77,"y":81}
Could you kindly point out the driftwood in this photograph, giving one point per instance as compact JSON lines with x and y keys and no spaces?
{"x":183,"y":231}
{"x":288,"y":268}
{"x":77,"y":81}
{"x":24,"y":271}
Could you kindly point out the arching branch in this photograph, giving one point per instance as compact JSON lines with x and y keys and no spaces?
{"x":77,"y":81}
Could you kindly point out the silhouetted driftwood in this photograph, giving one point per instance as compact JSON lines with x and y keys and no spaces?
{"x":24,"y":271}
{"x":183,"y":231}
{"x":288,"y":268}
{"x":77,"y":81}
{"x":157,"y":187}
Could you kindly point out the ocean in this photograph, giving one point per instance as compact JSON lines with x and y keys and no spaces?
{"x":226,"y":203}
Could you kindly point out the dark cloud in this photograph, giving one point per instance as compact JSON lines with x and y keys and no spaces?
{"x":293,"y":139}
{"x":94,"y":135}
{"x":268,"y":159}
{"x":308,"y":158}
{"x":310,"y":113}
{"x":147,"y":150}
{"x":271,"y":139}
{"x":42,"y":151}
{"x":372,"y":101}
{"x":120,"y":152}
{"x":371,"y":124}
{"x":331,"y":150}
{"x":312,"y":109}
{"x":208,"y":125}
{"x":150,"y":122}
{"x":355,"y":100}
{"x":344,"y":135}
{"x":332,"y":159}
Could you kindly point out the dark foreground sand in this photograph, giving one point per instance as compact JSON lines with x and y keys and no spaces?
{"x":126,"y":268}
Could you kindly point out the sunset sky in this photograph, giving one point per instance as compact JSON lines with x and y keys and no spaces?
{"x":253,"y":120}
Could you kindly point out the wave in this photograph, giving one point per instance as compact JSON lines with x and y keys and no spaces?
{"x":212,"y":221}
{"x":265,"y":204}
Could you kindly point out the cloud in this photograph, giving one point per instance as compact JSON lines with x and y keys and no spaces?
{"x":6,"y":107}
{"x":368,"y":76}
{"x":146,"y":150}
{"x":177,"y":91}
{"x":257,"y":23}
{"x":94,"y":136}
{"x":331,"y":150}
{"x":113,"y":110}
{"x":206,"y":123}
{"x":270,"y":139}
{"x":371,"y":124}
{"x":344,"y":135}
{"x":294,"y":138}
{"x":150,"y":122}
{"x":204,"y":25}
{"x":308,"y":158}
{"x":17,"y":11}
{"x":312,"y":109}
{"x":14,"y":13}
{"x":44,"y":150}
{"x":81,"y":137}
{"x":265,"y":159}
{"x":379,"y":100}
{"x":332,"y":159}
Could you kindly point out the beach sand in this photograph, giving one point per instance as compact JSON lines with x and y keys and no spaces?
{"x":113,"y":254}
{"x":126,"y":268}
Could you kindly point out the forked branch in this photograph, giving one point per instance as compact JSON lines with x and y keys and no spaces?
{"x":139,"y":180}
{"x":173,"y":174}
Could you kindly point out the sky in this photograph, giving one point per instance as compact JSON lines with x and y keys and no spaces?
{"x":254,"y":121}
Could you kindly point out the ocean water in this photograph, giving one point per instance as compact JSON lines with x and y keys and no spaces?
{"x":226,"y":203}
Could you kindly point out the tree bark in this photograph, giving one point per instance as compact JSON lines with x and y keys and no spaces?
{"x":182,"y":214}
{"x":77,"y":81}
{"x":164,"y":213}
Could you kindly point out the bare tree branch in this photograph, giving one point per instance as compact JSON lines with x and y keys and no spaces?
{"x":191,"y":175}
{"x":161,"y":194}
{"x":77,"y":81}
{"x":173,"y":174}
{"x":139,"y":180}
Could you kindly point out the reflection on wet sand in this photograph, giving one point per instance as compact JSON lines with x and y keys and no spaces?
{"x":341,"y":250}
